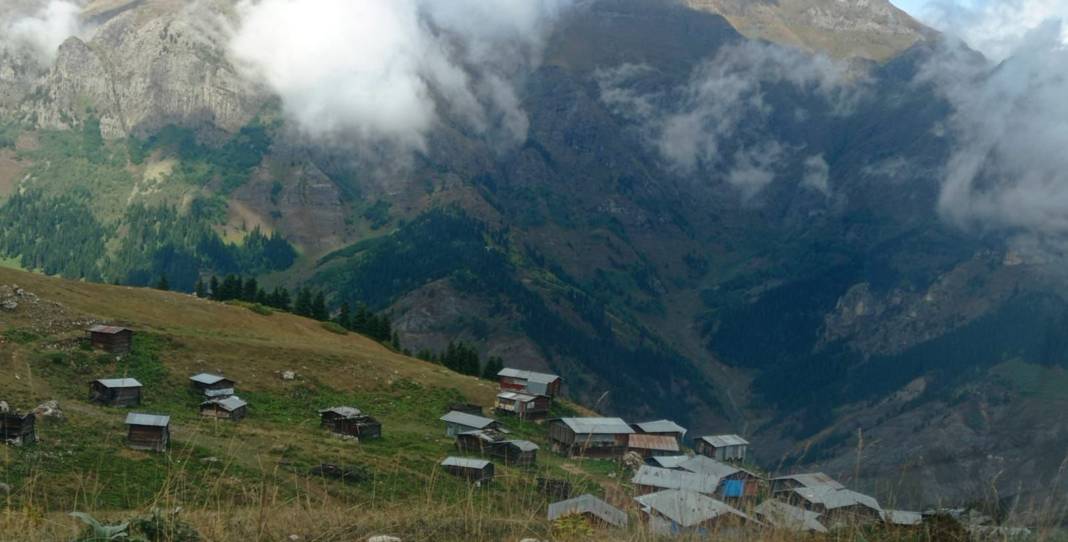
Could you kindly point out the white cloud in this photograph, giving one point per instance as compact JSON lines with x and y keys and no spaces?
{"x":993,"y":27}
{"x":817,"y":175}
{"x":1009,"y":168}
{"x":39,"y":27}
{"x":385,"y":72}
{"x":704,"y":126}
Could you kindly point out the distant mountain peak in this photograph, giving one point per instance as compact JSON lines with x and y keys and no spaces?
{"x":865,"y":29}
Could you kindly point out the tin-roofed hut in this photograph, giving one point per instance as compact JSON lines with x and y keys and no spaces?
{"x":121,"y":392}
{"x":212,"y":385}
{"x":589,"y":437}
{"x":231,"y":408}
{"x":723,"y":447}
{"x":148,"y":432}
{"x":473,"y":470}
{"x":351,"y":421}
{"x":113,"y":339}
{"x":595,"y":511}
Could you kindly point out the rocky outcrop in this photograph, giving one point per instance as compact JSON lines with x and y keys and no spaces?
{"x":143,"y":69}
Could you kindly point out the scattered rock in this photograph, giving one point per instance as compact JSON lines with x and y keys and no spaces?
{"x":289,"y":375}
{"x":49,"y":410}
{"x":210,"y":460}
{"x":294,"y":537}
{"x":9,"y":304}
{"x":383,"y":538}
{"x":633,"y":460}
{"x":5,"y":489}
{"x":4,"y":407}
{"x":530,"y":540}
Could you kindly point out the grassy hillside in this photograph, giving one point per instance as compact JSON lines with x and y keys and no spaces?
{"x":252,"y":477}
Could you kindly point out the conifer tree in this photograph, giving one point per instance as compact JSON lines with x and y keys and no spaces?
{"x":163,"y":284}
{"x":318,"y":308}
{"x":200,"y":290}
{"x":344,"y":317}
{"x":214,"y":287}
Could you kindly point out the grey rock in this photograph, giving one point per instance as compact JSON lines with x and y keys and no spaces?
{"x":383,"y":538}
{"x":49,"y":410}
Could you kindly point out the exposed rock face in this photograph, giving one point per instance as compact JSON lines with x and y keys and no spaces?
{"x":868,"y":29}
{"x":143,"y":69}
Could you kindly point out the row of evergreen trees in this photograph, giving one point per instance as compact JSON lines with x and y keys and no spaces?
{"x":463,"y":358}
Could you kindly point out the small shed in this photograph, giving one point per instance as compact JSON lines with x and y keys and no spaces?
{"x":124,"y":392}
{"x":458,"y":422}
{"x":529,"y":382}
{"x":648,"y":445}
{"x":723,"y":447}
{"x":590,"y":437}
{"x":212,"y":385}
{"x":474,"y":470}
{"x":18,"y":429}
{"x":113,"y":339}
{"x":346,"y":420}
{"x":522,"y":405}
{"x":148,"y":432}
{"x":596,"y":512}
{"x":662,"y":427}
{"x":231,"y":408}
{"x":836,"y":506}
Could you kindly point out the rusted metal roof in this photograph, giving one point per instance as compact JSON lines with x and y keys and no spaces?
{"x":660,"y":443}
{"x":107,"y":330}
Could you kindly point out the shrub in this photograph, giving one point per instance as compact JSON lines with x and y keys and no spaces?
{"x":334,"y":327}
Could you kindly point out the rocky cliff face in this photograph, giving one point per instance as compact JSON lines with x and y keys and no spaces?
{"x":140,"y":66}
{"x":866,"y":29}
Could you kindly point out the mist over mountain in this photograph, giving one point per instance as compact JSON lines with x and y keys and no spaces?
{"x":821,"y":224}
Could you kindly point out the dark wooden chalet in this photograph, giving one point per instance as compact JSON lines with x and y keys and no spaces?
{"x":661,"y":427}
{"x":522,"y":405}
{"x":529,"y":382}
{"x":113,"y":339}
{"x":490,"y":443}
{"x":18,"y":429}
{"x":474,"y":470}
{"x":231,"y":408}
{"x":148,"y":432}
{"x":723,"y":447}
{"x":589,"y":437}
{"x":123,"y":392}
{"x":212,"y":385}
{"x":350,"y":421}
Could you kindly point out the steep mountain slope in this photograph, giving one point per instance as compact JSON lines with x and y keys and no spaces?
{"x":794,"y":279}
{"x":865,"y":29}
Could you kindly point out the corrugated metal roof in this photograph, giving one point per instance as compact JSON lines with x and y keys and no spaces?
{"x":832,"y":498}
{"x":789,"y":517}
{"x":706,"y":465}
{"x":515,"y":396}
{"x":720,"y":441}
{"x":119,"y":383}
{"x":588,"y":504}
{"x":661,"y":426}
{"x":107,"y":330}
{"x":598,"y":426}
{"x":523,"y":445}
{"x":343,"y":411}
{"x":465,"y":462}
{"x":686,"y":508}
{"x":530,"y":376}
{"x":662,"y":443}
{"x":225,"y":392}
{"x":467,"y":420}
{"x":812,"y":479}
{"x":904,"y":517}
{"x":207,"y":378}
{"x":668,"y":461}
{"x":650,"y":476}
{"x":228,"y":404}
{"x":151,"y":420}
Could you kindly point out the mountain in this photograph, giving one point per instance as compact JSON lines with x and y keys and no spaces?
{"x":696,"y":225}
{"x":864,"y":29}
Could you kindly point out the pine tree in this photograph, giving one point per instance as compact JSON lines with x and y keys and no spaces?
{"x":200,"y":290}
{"x":163,"y":284}
{"x":249,"y":289}
{"x":214,"y":287}
{"x":395,"y":341}
{"x":303,"y":306}
{"x":361,"y":320}
{"x":344,"y":317}
{"x":493,"y":366}
{"x":318,"y":308}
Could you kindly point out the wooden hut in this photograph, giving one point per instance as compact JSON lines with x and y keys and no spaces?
{"x":466,"y":408}
{"x":350,"y":421}
{"x":522,"y":405}
{"x":212,"y":385}
{"x":529,"y":382}
{"x":490,"y":443}
{"x":723,"y":447}
{"x":596,"y":512}
{"x":459,"y":422}
{"x":231,"y":408}
{"x":590,"y":437}
{"x":113,"y":339}
{"x":18,"y":429}
{"x":148,"y":432}
{"x":123,"y":392}
{"x":652,"y":445}
{"x":474,"y":470}
{"x":680,"y":512}
{"x":661,"y":427}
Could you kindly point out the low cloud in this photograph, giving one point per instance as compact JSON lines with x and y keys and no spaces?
{"x":38,"y":28}
{"x":717,"y":124}
{"x":993,"y":27}
{"x":385,"y":73}
{"x":1008,"y":170}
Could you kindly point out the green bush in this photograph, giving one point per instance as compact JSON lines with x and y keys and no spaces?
{"x":334,"y":327}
